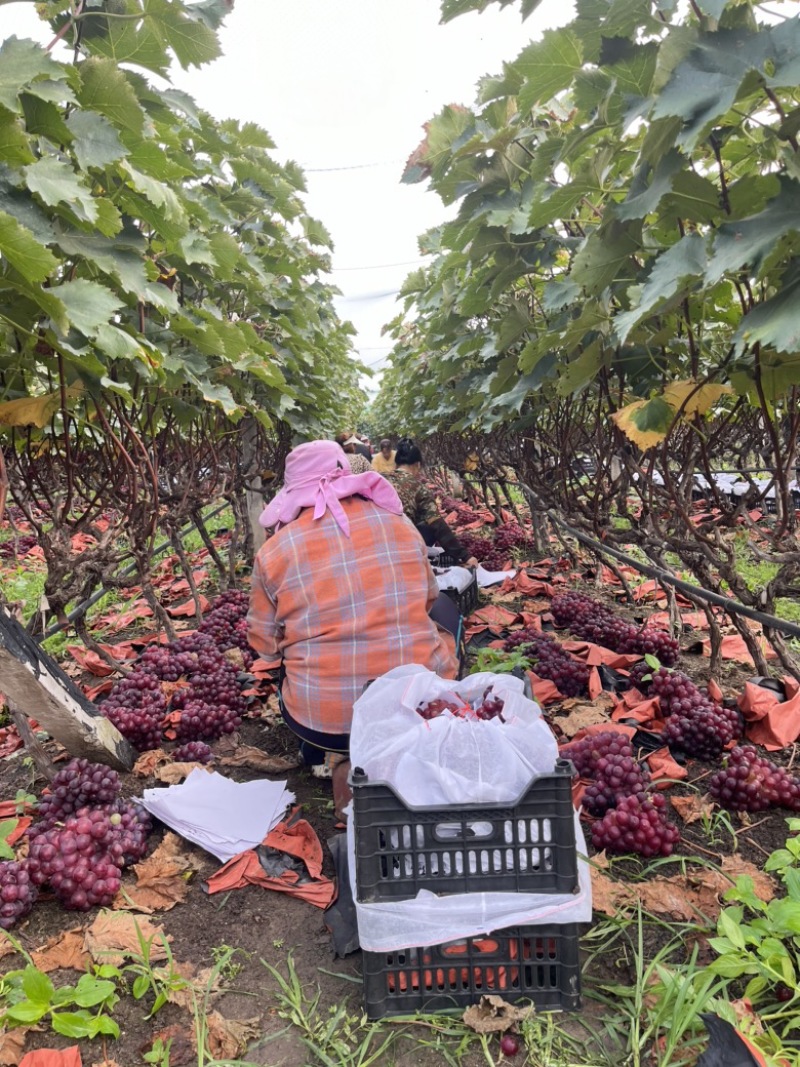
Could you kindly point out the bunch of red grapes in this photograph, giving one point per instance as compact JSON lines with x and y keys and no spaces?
{"x":593,"y":621}
{"x":226,"y":623}
{"x":510,"y":536}
{"x":83,"y":837}
{"x":608,"y":760}
{"x":18,"y":548}
{"x":484,"y":551}
{"x":490,"y":707}
{"x":751,"y":783}
{"x":193,"y":752}
{"x":549,"y":660}
{"x":191,"y":677}
{"x":18,"y":892}
{"x":636,"y":824}
{"x":697,"y":725}
{"x":632,"y":820}
{"x":464,"y":513}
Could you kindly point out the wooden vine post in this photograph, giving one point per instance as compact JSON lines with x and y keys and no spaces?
{"x":36,"y":686}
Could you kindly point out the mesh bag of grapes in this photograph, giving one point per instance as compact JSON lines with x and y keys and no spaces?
{"x":437,"y":741}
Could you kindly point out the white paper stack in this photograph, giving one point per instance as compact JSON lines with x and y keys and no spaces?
{"x":487,"y":578}
{"x":454,"y":578}
{"x":222,"y":816}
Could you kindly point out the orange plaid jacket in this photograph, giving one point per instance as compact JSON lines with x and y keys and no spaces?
{"x":341,"y":611}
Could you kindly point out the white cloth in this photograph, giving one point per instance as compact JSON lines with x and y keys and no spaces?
{"x":222,"y":816}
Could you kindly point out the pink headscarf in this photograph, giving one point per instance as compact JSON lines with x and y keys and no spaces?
{"x":318,"y":475}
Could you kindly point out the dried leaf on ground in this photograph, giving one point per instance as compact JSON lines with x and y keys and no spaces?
{"x":228,"y":1038}
{"x":582,"y":714}
{"x":181,"y":1044}
{"x":114,"y":934}
{"x":65,"y":952}
{"x":493,"y":1015}
{"x":693,"y":808}
{"x":688,"y":897}
{"x":161,"y":881}
{"x":172,"y":773}
{"x":256,"y":759}
{"x":200,"y":985}
{"x":12,"y":1044}
{"x":146,"y":764}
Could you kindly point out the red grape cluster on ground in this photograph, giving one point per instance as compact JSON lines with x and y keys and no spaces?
{"x":593,"y":621}
{"x":18,"y":892}
{"x":751,"y":783}
{"x":226,"y":623}
{"x":608,"y":760}
{"x":189,"y":684}
{"x":549,"y":660}
{"x":193,"y":752}
{"x":697,"y":725}
{"x":637,"y":824}
{"x":84,"y":836}
{"x":510,"y":536}
{"x":484,"y":551}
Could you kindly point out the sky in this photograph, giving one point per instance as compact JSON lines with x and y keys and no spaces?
{"x":344,"y":88}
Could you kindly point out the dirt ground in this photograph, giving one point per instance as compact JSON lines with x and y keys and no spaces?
{"x":267,"y":928}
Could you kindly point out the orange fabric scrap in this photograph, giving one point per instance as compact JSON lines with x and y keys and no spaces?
{"x":733,"y":647}
{"x":544,"y":691}
{"x":645,"y":711}
{"x":296,"y":839}
{"x":664,"y":769}
{"x":769,"y":722}
{"x":50,"y":1057}
{"x":594,"y":655}
{"x":595,"y":686}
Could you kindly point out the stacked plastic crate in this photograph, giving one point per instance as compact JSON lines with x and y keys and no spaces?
{"x":416,"y":870}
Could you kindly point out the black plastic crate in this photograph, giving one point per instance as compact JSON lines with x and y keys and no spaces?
{"x":527,"y":846}
{"x":445,"y":560}
{"x":536,"y":963}
{"x":467,"y":600}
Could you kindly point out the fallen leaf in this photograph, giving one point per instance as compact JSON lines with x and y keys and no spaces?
{"x":582,"y":714}
{"x":248,"y":756}
{"x":686,"y":897}
{"x":160,"y":881}
{"x":188,"y":607}
{"x":734,"y":866}
{"x":146,"y":764}
{"x":65,"y":952}
{"x":692,"y":809}
{"x":227,"y":1038}
{"x":200,"y":986}
{"x":11,"y":1045}
{"x":493,"y":1015}
{"x":172,"y":773}
{"x":113,"y":934}
{"x":179,"y":1040}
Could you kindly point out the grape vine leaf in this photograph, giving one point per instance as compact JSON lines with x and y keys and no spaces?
{"x":105,"y":88}
{"x":23,"y":251}
{"x":22,"y":62}
{"x":547,"y":66}
{"x":88,"y":304}
{"x":751,"y":241}
{"x":95,"y":141}
{"x":645,"y":422}
{"x":671,"y":273}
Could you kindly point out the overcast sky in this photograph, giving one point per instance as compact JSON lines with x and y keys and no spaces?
{"x":344,"y":87}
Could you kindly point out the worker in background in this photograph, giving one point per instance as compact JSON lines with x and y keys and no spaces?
{"x":359,"y":463}
{"x":419,"y":505}
{"x":383,"y":461}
